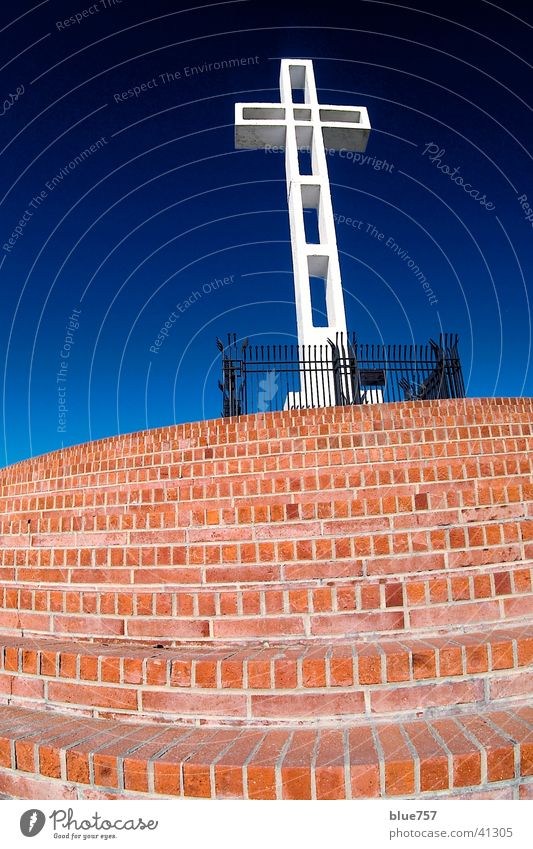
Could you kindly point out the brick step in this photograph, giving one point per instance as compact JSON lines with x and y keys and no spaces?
{"x":333,"y":423}
{"x":162,"y":511}
{"x":489,"y":752}
{"x":427,"y":603}
{"x":171,"y":523}
{"x":291,"y":573}
{"x":424,"y":530}
{"x":503,"y":582}
{"x":425,"y":540}
{"x":279,"y":552}
{"x":405,"y":507}
{"x":369,"y":423}
{"x":159,"y":507}
{"x":344,"y":477}
{"x":510,"y":455}
{"x":285,"y":559}
{"x":341,"y":480}
{"x":308,"y":684}
{"x":297,"y":454}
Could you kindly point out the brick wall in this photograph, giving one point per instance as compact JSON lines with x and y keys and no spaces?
{"x":310,"y":573}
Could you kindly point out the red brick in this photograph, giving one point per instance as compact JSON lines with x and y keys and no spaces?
{"x":229,"y":767}
{"x":261,"y":770}
{"x":466,"y":757}
{"x":398,"y":761}
{"x":432,"y":757}
{"x":307,"y":705}
{"x":296,"y":765}
{"x":427,"y":696}
{"x":330,"y":765}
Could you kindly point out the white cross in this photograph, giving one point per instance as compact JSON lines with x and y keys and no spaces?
{"x":299,"y":126}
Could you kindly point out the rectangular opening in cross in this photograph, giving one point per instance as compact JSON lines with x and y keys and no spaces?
{"x":263,"y":113}
{"x":312,"y":233}
{"x":305,"y":165}
{"x":297,"y":74}
{"x":318,"y":268}
{"x":302,"y":114}
{"x":304,"y":145}
{"x":340,"y":116}
{"x":317,"y":286}
{"x":311,"y":207}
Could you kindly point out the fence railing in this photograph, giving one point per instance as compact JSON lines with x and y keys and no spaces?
{"x":261,"y":378}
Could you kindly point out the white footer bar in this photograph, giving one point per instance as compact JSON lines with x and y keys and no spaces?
{"x":269,"y":825}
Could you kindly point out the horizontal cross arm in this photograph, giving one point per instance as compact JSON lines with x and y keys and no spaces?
{"x":344,"y":127}
{"x":260,"y":125}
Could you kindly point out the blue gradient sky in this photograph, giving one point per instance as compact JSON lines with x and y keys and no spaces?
{"x":165,"y":207}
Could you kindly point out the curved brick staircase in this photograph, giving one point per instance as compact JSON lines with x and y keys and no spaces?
{"x":318,"y":604}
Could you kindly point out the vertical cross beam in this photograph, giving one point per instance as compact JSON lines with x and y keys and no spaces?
{"x":299,"y":123}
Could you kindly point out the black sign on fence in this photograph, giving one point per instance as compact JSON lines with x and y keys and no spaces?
{"x":263,"y":378}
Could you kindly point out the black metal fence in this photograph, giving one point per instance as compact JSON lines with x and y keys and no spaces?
{"x":262,"y":378}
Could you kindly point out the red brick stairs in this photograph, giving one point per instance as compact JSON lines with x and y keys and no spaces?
{"x":331,"y":603}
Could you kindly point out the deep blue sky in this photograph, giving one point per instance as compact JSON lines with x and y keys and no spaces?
{"x":164,"y":205}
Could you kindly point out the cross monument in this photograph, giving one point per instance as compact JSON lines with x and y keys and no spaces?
{"x":301,"y":125}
